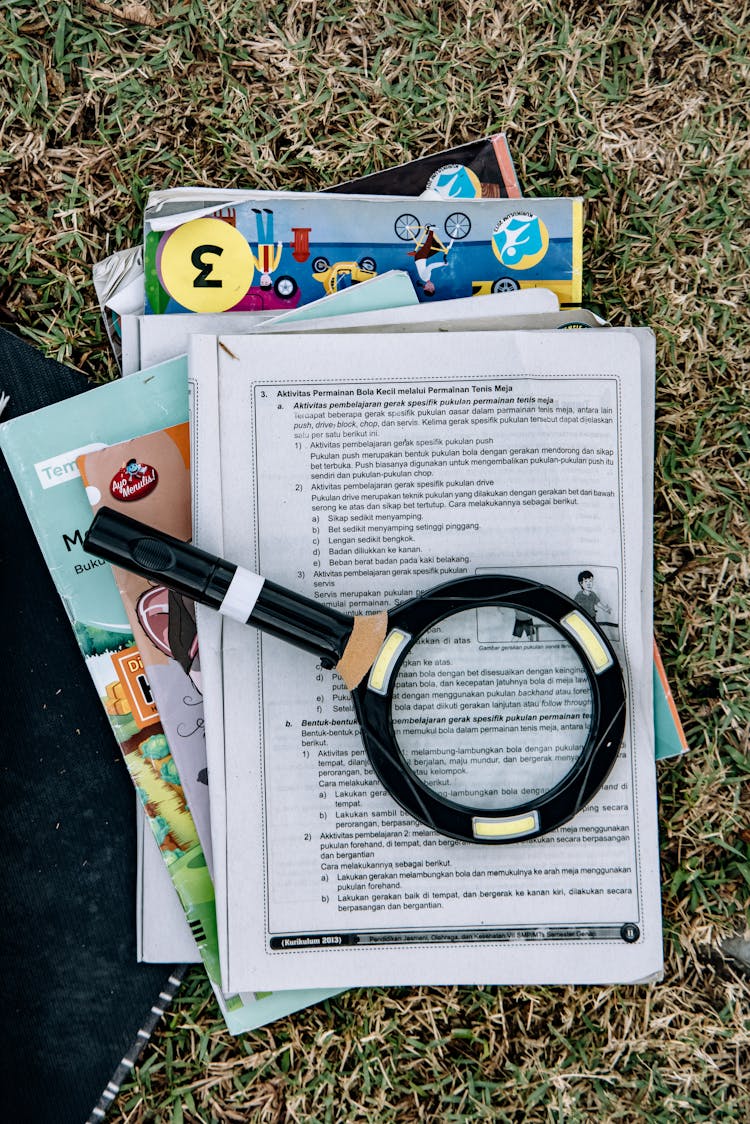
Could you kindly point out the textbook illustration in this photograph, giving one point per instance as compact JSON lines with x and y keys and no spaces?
{"x":277,"y":250}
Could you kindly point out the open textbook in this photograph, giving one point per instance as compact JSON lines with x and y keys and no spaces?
{"x":362,"y":484}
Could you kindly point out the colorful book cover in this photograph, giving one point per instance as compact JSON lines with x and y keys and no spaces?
{"x":148,"y":478}
{"x":669,"y":736}
{"x":280,"y":249}
{"x":41,"y":449}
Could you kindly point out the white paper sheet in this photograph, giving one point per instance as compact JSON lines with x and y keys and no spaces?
{"x":475,"y":312}
{"x":266,"y":864}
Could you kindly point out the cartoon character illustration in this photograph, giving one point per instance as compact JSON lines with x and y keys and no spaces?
{"x":168,"y":619}
{"x":266,"y":259}
{"x":586,"y":598}
{"x":134,"y":469}
{"x":524,"y":625}
{"x":268,"y":294}
{"x":133,"y":480}
{"x":342,"y":273}
{"x":427,"y":244}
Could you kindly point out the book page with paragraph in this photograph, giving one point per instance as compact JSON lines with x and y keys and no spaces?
{"x":362,"y":471}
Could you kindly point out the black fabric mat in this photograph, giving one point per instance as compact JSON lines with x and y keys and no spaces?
{"x":73,"y":997}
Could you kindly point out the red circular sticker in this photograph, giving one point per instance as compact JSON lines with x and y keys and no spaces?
{"x":133,"y":481}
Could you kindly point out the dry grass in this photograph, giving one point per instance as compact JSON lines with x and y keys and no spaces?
{"x":643,"y":109}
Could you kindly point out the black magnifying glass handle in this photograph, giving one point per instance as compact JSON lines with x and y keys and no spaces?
{"x":222,"y":585}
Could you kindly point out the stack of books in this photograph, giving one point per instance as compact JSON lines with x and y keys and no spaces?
{"x":361,"y":393}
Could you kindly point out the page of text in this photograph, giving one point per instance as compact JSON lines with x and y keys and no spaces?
{"x":364,"y":485}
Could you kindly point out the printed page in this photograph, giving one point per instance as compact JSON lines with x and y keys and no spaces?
{"x":258,"y":1006}
{"x":157,"y":336}
{"x":165,"y":336}
{"x":168,"y":335}
{"x":366,"y":474}
{"x":159,"y":938}
{"x":208,"y":534}
{"x":207,"y":502}
{"x":184,"y":334}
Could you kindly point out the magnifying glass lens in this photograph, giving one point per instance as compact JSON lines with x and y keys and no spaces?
{"x":491,"y":707}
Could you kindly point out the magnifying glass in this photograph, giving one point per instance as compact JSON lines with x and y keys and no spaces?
{"x":491,"y":707}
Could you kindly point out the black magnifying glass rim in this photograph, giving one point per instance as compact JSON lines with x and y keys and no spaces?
{"x":561,"y":802}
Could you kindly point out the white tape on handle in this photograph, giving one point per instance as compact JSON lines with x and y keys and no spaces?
{"x":239,"y":599}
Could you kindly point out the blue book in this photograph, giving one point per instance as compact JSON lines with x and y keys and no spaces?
{"x":276,"y":250}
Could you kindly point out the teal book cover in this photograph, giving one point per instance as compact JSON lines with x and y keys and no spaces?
{"x":41,"y":449}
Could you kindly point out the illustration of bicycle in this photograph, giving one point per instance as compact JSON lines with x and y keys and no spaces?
{"x":409,"y":229}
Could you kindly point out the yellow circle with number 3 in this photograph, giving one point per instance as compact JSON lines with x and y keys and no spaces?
{"x":206,"y":265}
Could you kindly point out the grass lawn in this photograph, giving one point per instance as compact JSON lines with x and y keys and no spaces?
{"x":642,"y":108}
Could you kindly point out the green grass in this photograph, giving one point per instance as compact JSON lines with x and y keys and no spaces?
{"x":641,"y":108}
